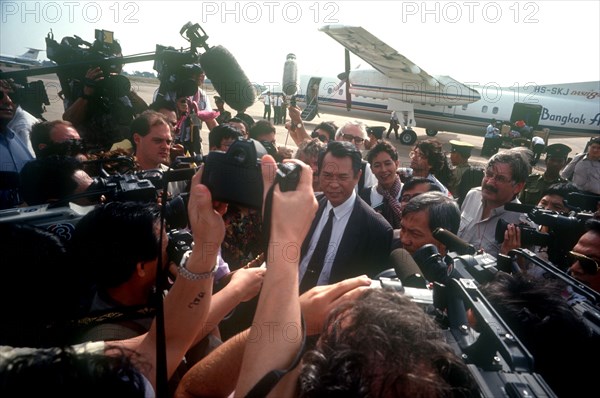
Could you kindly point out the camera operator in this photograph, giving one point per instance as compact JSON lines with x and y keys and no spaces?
{"x":57,"y":137}
{"x":554,"y":199}
{"x":103,"y":105}
{"x":152,"y":139}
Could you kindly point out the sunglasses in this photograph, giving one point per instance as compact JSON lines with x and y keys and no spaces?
{"x":589,"y":265}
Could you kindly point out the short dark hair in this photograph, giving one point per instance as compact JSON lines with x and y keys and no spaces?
{"x":443,"y":210}
{"x":162,"y":103}
{"x":220,"y":133}
{"x":562,"y":189}
{"x":382,"y":146}
{"x":144,"y":123}
{"x":111,"y":239}
{"x":40,"y":132}
{"x":342,"y":149}
{"x":329,"y":127}
{"x":413,"y":181}
{"x":261,"y":127}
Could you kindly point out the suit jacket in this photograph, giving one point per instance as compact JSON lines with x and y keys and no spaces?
{"x":365,"y":245}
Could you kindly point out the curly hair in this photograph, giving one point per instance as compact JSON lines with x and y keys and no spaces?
{"x":433,"y":151}
{"x":383,"y":345}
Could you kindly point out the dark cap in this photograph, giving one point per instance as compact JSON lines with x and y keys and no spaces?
{"x":594,"y":140}
{"x":463,"y":148}
{"x":557,"y":150}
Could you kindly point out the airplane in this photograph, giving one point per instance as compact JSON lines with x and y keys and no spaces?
{"x":440,"y":103}
{"x":26,"y":60}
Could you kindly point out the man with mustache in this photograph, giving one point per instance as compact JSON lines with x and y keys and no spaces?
{"x":504,"y":178}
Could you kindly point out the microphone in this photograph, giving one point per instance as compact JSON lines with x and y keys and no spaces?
{"x":407,"y":269}
{"x":518,"y":207}
{"x":452,"y":242}
{"x":290,"y":75}
{"x":228,"y":78}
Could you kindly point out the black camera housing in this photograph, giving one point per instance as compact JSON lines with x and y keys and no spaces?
{"x":529,"y":236}
{"x":235,"y":176}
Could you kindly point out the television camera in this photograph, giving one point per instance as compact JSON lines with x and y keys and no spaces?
{"x":564,"y":230}
{"x":500,"y":363}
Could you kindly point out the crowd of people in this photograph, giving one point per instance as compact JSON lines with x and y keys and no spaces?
{"x":271,"y":300}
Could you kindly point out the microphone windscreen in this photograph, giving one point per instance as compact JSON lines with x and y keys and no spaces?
{"x":228,"y":78}
{"x":452,"y":242}
{"x":407,"y":269}
{"x":290,"y":76}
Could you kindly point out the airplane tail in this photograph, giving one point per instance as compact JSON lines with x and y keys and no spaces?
{"x":31,"y":53}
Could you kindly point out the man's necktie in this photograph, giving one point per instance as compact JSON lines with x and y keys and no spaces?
{"x":315,"y":265}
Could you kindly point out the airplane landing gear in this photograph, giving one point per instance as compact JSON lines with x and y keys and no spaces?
{"x":431,"y":132}
{"x":408,"y":137}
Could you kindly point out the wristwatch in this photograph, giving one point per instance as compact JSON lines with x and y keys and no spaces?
{"x":193,"y":276}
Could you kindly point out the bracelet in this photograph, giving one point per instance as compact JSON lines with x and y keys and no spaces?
{"x":193,"y":276}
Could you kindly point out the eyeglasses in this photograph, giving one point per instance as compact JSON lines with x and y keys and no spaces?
{"x":589,"y":265}
{"x":322,"y":138}
{"x":350,"y":137}
{"x":501,"y":179}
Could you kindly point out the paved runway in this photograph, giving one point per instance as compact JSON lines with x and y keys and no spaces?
{"x":146,"y":89}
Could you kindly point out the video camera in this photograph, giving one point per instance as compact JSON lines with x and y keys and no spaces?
{"x":564,"y":231}
{"x":84,"y":55}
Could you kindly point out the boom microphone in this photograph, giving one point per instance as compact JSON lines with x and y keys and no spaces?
{"x":407,"y":269}
{"x":452,"y":242}
{"x":228,"y":78}
{"x":290,"y":75}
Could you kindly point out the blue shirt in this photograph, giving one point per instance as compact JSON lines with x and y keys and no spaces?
{"x":13,"y":156}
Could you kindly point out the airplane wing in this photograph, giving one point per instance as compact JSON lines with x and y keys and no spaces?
{"x":379,"y":55}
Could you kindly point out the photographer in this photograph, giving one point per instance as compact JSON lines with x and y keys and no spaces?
{"x":102,"y":104}
{"x":57,"y":137}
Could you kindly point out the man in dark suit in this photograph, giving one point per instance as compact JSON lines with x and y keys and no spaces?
{"x":359,"y":240}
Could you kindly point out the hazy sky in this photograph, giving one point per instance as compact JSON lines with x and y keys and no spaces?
{"x":506,"y":42}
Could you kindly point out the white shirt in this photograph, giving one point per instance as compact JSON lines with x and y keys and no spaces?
{"x":340,"y":220}
{"x":21,"y":124}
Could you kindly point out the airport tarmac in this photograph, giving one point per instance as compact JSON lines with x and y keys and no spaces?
{"x":146,"y":88}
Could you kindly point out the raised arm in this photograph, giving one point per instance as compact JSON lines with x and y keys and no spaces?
{"x":187,"y":304}
{"x":276,"y":332}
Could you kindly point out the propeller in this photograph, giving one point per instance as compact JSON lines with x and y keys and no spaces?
{"x":345,"y":79}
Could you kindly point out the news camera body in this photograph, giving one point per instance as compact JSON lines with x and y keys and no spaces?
{"x":83,"y":55}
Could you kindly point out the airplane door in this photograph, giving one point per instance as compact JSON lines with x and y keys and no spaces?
{"x":529,"y":113}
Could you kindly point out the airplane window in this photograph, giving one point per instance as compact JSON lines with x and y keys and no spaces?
{"x":464,"y":107}
{"x":341,"y":91}
{"x":495,"y":110}
{"x":484,"y":109}
{"x":329,"y":90}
